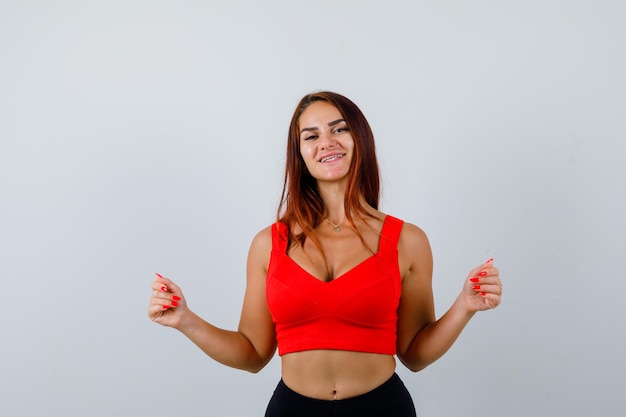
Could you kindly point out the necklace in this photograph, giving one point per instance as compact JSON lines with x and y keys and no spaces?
{"x":337,"y":227}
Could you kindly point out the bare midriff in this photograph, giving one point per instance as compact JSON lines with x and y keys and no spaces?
{"x":335,"y":374}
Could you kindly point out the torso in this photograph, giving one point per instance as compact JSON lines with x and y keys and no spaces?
{"x":337,"y":374}
{"x":344,"y":250}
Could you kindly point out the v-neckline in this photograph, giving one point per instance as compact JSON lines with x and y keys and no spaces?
{"x":349,"y":271}
{"x":340,"y":277}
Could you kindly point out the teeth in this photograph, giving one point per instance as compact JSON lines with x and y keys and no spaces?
{"x":331,"y":158}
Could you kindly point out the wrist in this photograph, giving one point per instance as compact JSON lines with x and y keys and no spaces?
{"x":462,"y":308}
{"x":186,"y":322}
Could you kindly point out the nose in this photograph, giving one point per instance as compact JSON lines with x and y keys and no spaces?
{"x":327,"y":141}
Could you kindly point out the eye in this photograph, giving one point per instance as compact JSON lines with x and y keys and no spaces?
{"x":310,"y":137}
{"x":341,"y":129}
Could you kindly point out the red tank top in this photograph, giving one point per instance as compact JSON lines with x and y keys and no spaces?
{"x":356,"y":311}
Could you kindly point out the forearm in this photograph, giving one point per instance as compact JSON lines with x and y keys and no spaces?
{"x":231,"y":348}
{"x":431,"y":342}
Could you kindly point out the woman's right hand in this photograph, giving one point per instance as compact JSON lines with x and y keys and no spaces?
{"x":167,"y":304}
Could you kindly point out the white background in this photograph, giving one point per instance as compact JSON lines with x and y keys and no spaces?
{"x":149,"y":136}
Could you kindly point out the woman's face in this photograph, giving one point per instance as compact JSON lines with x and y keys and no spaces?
{"x":326,"y":144}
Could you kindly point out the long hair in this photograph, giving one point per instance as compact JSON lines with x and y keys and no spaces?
{"x":301,"y":203}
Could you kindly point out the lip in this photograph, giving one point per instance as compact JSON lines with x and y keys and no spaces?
{"x":330,"y":155}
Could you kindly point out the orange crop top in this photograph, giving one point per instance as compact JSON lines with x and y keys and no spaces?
{"x":356,"y":311}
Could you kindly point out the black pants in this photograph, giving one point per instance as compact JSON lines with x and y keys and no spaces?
{"x":391,"y":399}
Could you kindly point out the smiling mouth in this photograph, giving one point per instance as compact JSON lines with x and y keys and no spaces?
{"x":332,"y":158}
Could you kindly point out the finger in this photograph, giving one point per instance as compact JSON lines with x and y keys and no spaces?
{"x":162,"y":284}
{"x":160,"y":292}
{"x":489,"y":271}
{"x":484,"y":267}
{"x":159,"y":287}
{"x":492,"y":300}
{"x":155,"y":310}
{"x":161,"y":279}
{"x":163,"y":297}
{"x":487,"y":264}
{"x":483,"y":289}
{"x":168,"y":283}
{"x":156,"y":313}
{"x":485,"y":279}
{"x":489,"y":275}
{"x":160,"y":297}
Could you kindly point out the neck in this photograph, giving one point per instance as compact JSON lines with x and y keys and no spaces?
{"x":336,"y":215}
{"x":333,"y":195}
{"x":338,"y":221}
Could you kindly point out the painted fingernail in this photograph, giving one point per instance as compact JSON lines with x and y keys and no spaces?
{"x":164,"y":288}
{"x":476,"y":287}
{"x":174,"y":304}
{"x":482,"y":293}
{"x":159,"y":275}
{"x":175,"y":298}
{"x":166,"y":307}
{"x":489,"y":261}
{"x":483,"y":273}
{"x":475,"y":279}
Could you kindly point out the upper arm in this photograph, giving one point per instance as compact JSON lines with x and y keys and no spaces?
{"x":256,"y":321}
{"x":416,"y":308}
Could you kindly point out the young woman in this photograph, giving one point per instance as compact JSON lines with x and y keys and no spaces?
{"x":338,"y":286}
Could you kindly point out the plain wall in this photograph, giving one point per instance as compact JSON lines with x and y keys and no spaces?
{"x":149,"y":136}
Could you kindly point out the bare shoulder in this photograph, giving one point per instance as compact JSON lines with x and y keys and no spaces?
{"x":263,"y":238}
{"x":261,"y":248}
{"x":414,"y":252}
{"x":412,"y":237}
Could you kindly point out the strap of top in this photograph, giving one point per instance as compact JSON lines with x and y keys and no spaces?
{"x":390,"y":234}
{"x":279,"y":237}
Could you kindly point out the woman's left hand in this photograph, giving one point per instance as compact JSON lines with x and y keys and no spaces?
{"x":482,"y":289}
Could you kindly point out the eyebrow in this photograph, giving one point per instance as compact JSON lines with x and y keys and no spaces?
{"x":331,"y":124}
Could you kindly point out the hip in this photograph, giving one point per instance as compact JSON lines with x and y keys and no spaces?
{"x":389,"y":399}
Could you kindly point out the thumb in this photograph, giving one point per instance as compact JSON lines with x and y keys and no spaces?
{"x":168,"y":283}
{"x":476,"y":271}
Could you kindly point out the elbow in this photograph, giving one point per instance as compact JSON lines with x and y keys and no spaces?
{"x":257,"y":357}
{"x":255,"y":370}
{"x":250,"y":364}
{"x":412,"y":364}
{"x":415,"y":367}
{"x":254,"y":367}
